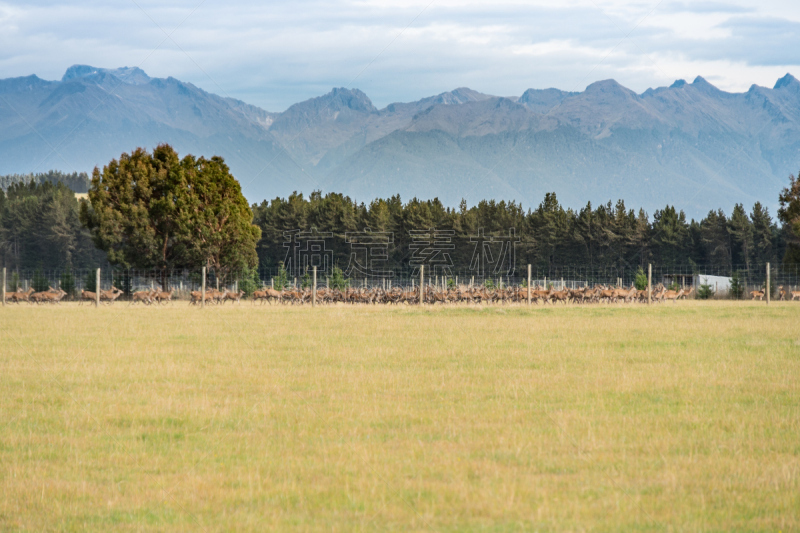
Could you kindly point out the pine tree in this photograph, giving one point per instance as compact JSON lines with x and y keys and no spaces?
{"x":39,"y":282}
{"x":640,"y":281}
{"x":705,"y":292}
{"x":337,"y":280}
{"x":716,"y":239}
{"x":67,"y":282}
{"x":249,"y":282}
{"x":740,"y":229}
{"x":764,"y":235}
{"x":670,"y":237}
{"x":282,"y":280}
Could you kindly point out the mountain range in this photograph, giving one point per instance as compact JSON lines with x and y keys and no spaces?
{"x":691,"y":145}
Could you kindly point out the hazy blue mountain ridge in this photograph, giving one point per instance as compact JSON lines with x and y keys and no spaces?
{"x":689,"y":144}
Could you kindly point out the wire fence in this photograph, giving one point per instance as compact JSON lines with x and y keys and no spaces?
{"x":735,"y":282}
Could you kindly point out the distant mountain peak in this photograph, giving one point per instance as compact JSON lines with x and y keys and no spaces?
{"x":543,"y":100}
{"x":130,"y":75}
{"x":789,"y":82}
{"x":702,"y":84}
{"x":679,"y":84}
{"x":462,"y":95}
{"x":607,"y":86}
{"x":608,"y":89}
{"x":344,"y":98}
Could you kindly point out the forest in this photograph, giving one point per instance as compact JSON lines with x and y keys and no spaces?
{"x":596,"y":237}
{"x":40,"y":228}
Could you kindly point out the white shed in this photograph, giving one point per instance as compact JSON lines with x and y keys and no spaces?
{"x":719,"y":284}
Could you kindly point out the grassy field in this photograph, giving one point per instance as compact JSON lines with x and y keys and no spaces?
{"x":675,"y":417}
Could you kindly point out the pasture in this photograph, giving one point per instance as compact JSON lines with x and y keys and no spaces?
{"x":500,"y":418}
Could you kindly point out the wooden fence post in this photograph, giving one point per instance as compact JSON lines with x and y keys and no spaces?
{"x":203,"y":290}
{"x":768,"y":288}
{"x":97,"y":288}
{"x":314,"y":289}
{"x":421,"y":284}
{"x":4,"y":286}
{"x":529,"y":285}
{"x":649,"y":283}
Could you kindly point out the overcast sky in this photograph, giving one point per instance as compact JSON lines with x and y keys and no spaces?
{"x":273,"y":54}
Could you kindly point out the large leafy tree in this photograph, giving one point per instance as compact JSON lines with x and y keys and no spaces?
{"x":217,"y":219}
{"x":789,"y":214}
{"x":158,"y":211}
{"x":134,"y":206}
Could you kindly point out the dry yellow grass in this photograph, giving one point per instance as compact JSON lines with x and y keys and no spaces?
{"x":675,"y":417}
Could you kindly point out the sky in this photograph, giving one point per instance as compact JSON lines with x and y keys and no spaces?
{"x":274,"y":54}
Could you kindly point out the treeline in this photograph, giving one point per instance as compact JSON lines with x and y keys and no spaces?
{"x":179,"y":214}
{"x":40,"y":228}
{"x":609,"y":235}
{"x":77,"y":181}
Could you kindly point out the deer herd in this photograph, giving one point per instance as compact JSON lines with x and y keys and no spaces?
{"x":397,"y":295}
{"x":467,"y":294}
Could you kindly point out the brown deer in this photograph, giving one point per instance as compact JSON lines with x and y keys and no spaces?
{"x":260,"y":295}
{"x":41,"y":296}
{"x":757,"y":295}
{"x":87,"y":296}
{"x":19,"y":296}
{"x":53,"y":296}
{"x":146,"y":297}
{"x":559,"y":296}
{"x":163,"y":297}
{"x":197,"y":297}
{"x":795,"y":295}
{"x":673,"y":295}
{"x":216,"y":296}
{"x":234,"y":297}
{"x":781,"y":294}
{"x":110,"y":295}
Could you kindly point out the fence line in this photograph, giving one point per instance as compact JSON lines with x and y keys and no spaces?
{"x":746,"y":279}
